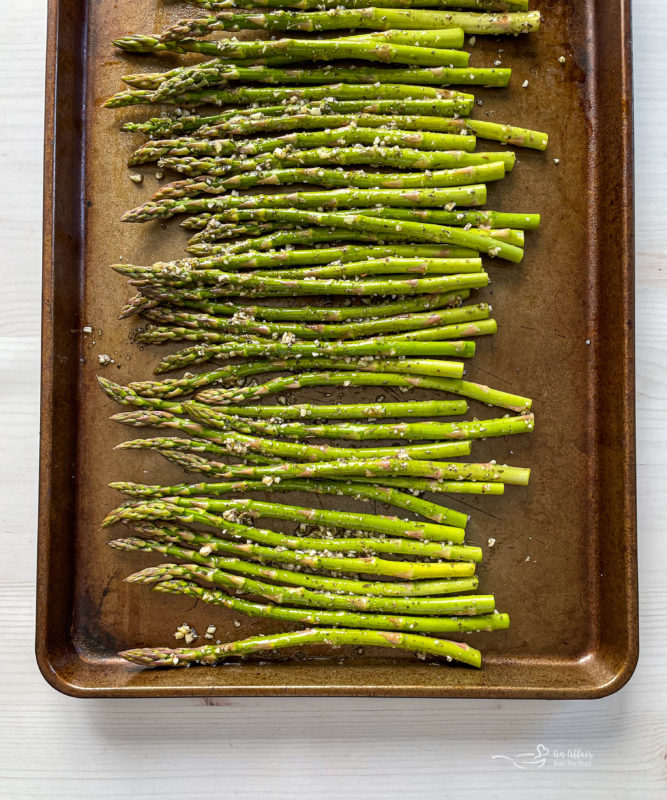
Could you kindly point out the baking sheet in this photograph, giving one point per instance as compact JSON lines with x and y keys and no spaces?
{"x":564,"y":562}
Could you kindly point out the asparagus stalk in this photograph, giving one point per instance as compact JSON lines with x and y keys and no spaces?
{"x":197,"y":222}
{"x":161,"y":286}
{"x":201,"y":354}
{"x":494,"y":131}
{"x":382,"y":494}
{"x":468,"y":195}
{"x":385,"y":267}
{"x":363,"y":48}
{"x":414,"y":431}
{"x":317,"y":5}
{"x":326,"y":314}
{"x":350,"y":135}
{"x":378,"y":19}
{"x":365,"y":96}
{"x":488,"y":220}
{"x":346,"y":18}
{"x":340,"y":331}
{"x":408,"y":230}
{"x":374,"y":523}
{"x":433,"y":116}
{"x":367,"y":565}
{"x":350,"y":586}
{"x":333,"y":637}
{"x":219,"y":76}
{"x":199,"y":333}
{"x":266,"y":240}
{"x":376,"y":156}
{"x":234,"y":373}
{"x":348,"y":619}
{"x":472,"y":605}
{"x":415,"y":373}
{"x":256,"y":259}
{"x":193,"y":463}
{"x":337,"y":178}
{"x":384,"y":467}
{"x":159,"y":510}
{"x":165,"y":127}
{"x":474,"y":391}
{"x":162,"y":334}
{"x":233,"y":442}
{"x":220,"y":73}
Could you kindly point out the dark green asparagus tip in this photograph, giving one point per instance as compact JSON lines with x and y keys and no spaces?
{"x":152,"y":574}
{"x":136,"y":44}
{"x":113,"y":390}
{"x":148,"y":658}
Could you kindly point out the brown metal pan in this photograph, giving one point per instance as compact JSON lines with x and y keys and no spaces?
{"x":564,"y":562}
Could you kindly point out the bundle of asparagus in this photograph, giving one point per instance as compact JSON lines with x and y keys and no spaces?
{"x":392,"y":257}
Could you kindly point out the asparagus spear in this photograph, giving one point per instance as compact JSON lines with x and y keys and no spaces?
{"x":333,"y":637}
{"x":366,"y":96}
{"x":336,"y":178}
{"x":433,"y":116}
{"x":257,"y":259}
{"x":350,"y":135}
{"x":197,"y":222}
{"x":304,"y":5}
{"x":494,"y":131}
{"x":158,"y":334}
{"x":368,"y":468}
{"x":488,"y":220}
{"x":200,"y":354}
{"x":438,"y":105}
{"x":389,"y":589}
{"x":468,"y":195}
{"x":364,"y":48}
{"x":352,"y":330}
{"x":266,"y":240}
{"x":378,"y":19}
{"x":386,"y":267}
{"x":330,"y":314}
{"x":220,"y":73}
{"x":367,"y":565}
{"x":472,"y":605}
{"x":408,"y":230}
{"x":218,"y":247}
{"x":397,"y":157}
{"x":382,"y":494}
{"x":193,"y":463}
{"x":345,"y":18}
{"x":474,"y":391}
{"x":236,"y":509}
{"x":236,"y":372}
{"x":162,"y":334}
{"x":475,"y":429}
{"x":232,"y":442}
{"x":349,"y":619}
{"x":159,"y":510}
{"x":413,"y":373}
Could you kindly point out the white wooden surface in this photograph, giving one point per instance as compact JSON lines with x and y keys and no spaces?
{"x":55,"y":747}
